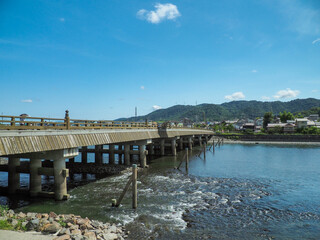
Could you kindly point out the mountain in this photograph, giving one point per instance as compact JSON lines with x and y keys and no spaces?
{"x":229,"y":110}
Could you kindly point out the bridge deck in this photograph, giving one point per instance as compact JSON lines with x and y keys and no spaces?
{"x":29,"y":141}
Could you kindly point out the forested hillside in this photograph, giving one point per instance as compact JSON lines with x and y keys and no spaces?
{"x":228,"y":111}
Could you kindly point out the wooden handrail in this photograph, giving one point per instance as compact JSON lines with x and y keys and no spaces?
{"x":26,"y":122}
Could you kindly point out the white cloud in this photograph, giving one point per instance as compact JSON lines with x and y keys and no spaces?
{"x":26,"y":100}
{"x":235,"y":96}
{"x":265,"y":98}
{"x":254,"y":71}
{"x":142,"y":87}
{"x":162,"y":12}
{"x":317,"y":41}
{"x":315,"y":90}
{"x":156,"y":107}
{"x":287,"y":93}
{"x":61,"y":19}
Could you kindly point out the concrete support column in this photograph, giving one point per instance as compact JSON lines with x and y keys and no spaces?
{"x":150,"y":149}
{"x":190,"y":143}
{"x":207,"y":139}
{"x":181,"y":143}
{"x":200,"y":140}
{"x":111,"y":154}
{"x":143,"y":156}
{"x":120,"y":155}
{"x":174,"y":147}
{"x":13,"y":175}
{"x":35,"y":178}
{"x":60,"y":179}
{"x":71,"y":160}
{"x":98,"y":154}
{"x":162,"y":147}
{"x":84,"y":155}
{"x":127,"y":155}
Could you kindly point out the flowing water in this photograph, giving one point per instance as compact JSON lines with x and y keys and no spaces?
{"x":237,"y":192}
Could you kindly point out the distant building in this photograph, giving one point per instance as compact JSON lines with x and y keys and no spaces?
{"x":313,"y":117}
{"x":302,"y":122}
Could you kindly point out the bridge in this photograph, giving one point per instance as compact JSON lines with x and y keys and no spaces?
{"x":51,"y":143}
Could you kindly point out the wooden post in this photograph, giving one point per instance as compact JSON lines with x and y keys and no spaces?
{"x":134,"y":186}
{"x":204,"y":150}
{"x":187,"y":161}
{"x":67,"y":120}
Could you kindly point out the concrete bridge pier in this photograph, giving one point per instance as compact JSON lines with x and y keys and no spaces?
{"x":98,"y":154}
{"x":181,"y":143}
{"x":60,"y":172}
{"x":84,"y":154}
{"x":13,"y":175}
{"x":150,"y":148}
{"x":162,"y":147}
{"x":174,"y":146}
{"x":190,"y":141}
{"x":127,"y":154}
{"x":200,"y":140}
{"x":35,"y":177}
{"x":111,"y":154}
{"x":120,"y":147}
{"x":143,"y":156}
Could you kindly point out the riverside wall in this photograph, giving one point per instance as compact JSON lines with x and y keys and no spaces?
{"x":273,"y":138}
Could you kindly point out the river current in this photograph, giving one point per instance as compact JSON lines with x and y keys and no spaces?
{"x":237,"y":192}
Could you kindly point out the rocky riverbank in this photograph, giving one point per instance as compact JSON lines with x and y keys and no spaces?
{"x":62,"y":226}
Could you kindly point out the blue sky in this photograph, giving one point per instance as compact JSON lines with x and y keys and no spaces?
{"x":100,"y":59}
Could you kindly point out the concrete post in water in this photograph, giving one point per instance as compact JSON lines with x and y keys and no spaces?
{"x":98,"y":154}
{"x":174,"y":147}
{"x":142,"y":155}
{"x":204,"y":150}
{"x":71,"y":160}
{"x":190,"y":142}
{"x":134,"y":186}
{"x":35,"y":178}
{"x":111,"y":154}
{"x":162,"y":147}
{"x":60,"y":179}
{"x":127,"y":154}
{"x":13,"y":175}
{"x":84,"y":154}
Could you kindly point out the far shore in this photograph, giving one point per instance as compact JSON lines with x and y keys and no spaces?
{"x":229,"y":141}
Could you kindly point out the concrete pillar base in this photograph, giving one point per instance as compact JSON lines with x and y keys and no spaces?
{"x":35,"y":178}
{"x":13,"y":175}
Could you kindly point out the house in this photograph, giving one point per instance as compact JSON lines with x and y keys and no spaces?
{"x":248,"y":126}
{"x":302,"y":122}
{"x":284,"y":127}
{"x":289,"y":128}
{"x":313,"y":117}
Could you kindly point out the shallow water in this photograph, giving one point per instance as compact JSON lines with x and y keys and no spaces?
{"x":237,"y":192}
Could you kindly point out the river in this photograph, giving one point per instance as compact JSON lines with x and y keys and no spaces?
{"x":238,"y":192}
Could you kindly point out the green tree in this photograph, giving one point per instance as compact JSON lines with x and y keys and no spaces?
{"x":267,"y":118}
{"x":286,"y":116}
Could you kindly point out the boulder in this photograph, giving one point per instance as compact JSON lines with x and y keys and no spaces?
{"x":109,"y":236}
{"x":51,"y":227}
{"x":90,"y":235}
{"x":63,"y":237}
{"x":33,"y":224}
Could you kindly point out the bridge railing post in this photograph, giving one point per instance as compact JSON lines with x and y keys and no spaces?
{"x":67,"y":120}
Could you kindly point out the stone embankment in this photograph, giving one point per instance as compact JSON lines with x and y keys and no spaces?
{"x":63,"y":226}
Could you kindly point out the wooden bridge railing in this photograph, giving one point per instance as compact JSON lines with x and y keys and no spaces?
{"x":26,"y":122}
